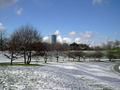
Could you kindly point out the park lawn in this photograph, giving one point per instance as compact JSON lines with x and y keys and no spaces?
{"x":17,"y":64}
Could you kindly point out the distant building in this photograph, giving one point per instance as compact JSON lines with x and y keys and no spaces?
{"x":52,"y":39}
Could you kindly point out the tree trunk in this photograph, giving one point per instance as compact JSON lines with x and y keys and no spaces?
{"x":29,"y":58}
{"x":57,"y":59}
{"x":11,"y":62}
{"x":11,"y":58}
{"x":99,"y":59}
{"x":45,"y":60}
{"x":1,"y":42}
{"x":25,"y":56}
{"x":110,"y":59}
{"x":84,"y":59}
{"x":94,"y":59}
{"x":79,"y":59}
{"x":73,"y":59}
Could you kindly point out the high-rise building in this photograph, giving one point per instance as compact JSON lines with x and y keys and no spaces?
{"x":52,"y":39}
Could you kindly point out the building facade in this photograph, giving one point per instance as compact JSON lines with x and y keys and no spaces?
{"x":52,"y":39}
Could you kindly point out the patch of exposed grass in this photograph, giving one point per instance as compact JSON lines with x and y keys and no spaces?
{"x":14,"y":64}
{"x":76,"y":61}
{"x":106,"y":89}
{"x":100,"y":86}
{"x":98,"y":61}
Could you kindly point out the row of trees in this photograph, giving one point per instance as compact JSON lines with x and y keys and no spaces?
{"x":26,"y":42}
{"x":96,"y":56}
{"x":21,"y":42}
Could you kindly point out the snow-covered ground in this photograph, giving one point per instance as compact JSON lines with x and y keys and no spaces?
{"x":60,"y":76}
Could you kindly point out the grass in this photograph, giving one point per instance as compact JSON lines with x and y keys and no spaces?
{"x":14,"y":64}
{"x":98,"y":61}
{"x":106,"y":89}
{"x":100,"y":86}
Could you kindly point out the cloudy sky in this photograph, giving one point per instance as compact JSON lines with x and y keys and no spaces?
{"x":81,"y":21}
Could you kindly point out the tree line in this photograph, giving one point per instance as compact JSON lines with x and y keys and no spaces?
{"x":26,"y":42}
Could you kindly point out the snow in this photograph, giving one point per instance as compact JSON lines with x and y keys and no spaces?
{"x":59,"y":76}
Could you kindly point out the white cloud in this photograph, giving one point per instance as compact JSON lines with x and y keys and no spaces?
{"x":67,"y":40}
{"x":94,"y":44}
{"x":72,"y":33}
{"x":19,"y":11}
{"x":87,"y":34}
{"x":80,"y":41}
{"x":77,"y":40}
{"x":45,"y":39}
{"x":5,"y":3}
{"x":59,"y":39}
{"x":57,"y":32}
{"x":97,"y":2}
{"x":1,"y":27}
{"x":85,"y":41}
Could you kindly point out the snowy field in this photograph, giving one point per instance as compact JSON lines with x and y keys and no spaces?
{"x":60,"y":76}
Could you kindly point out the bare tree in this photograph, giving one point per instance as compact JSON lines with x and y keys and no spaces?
{"x":27,"y":35}
{"x":110,"y":55}
{"x":71,"y":55}
{"x":42,"y":49}
{"x":2,"y":40}
{"x":13,"y":46}
{"x":58,"y":49}
{"x":79,"y":55}
{"x":97,"y":55}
